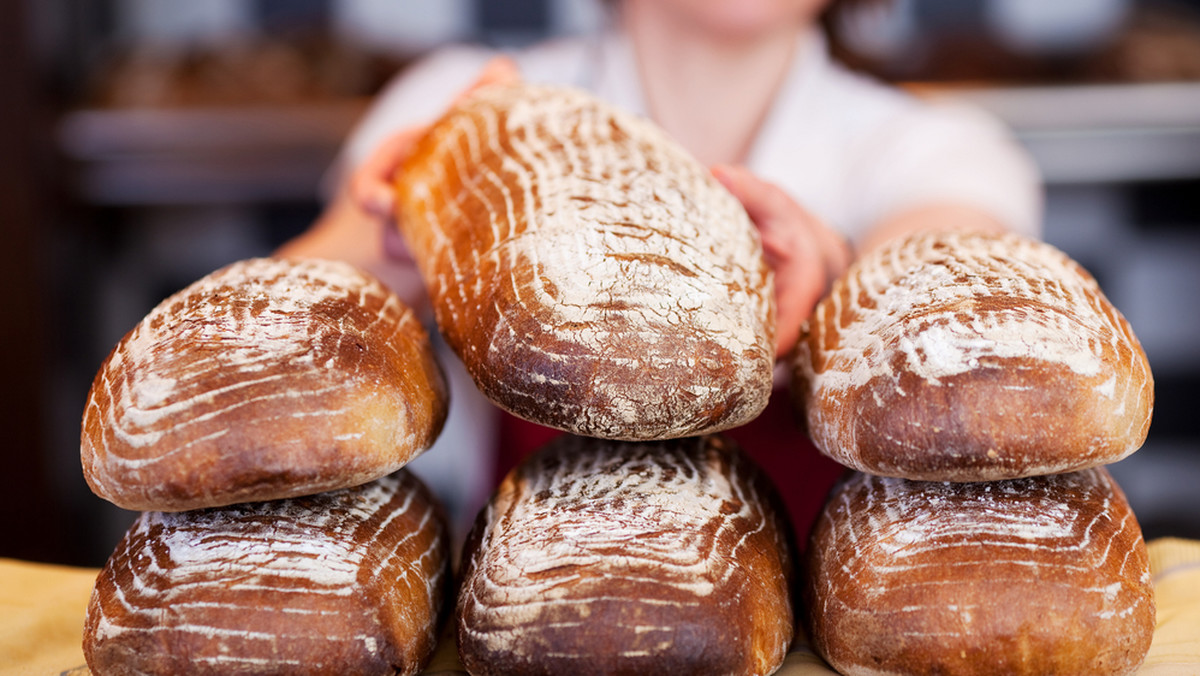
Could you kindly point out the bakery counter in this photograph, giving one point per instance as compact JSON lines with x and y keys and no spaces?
{"x":42,"y":610}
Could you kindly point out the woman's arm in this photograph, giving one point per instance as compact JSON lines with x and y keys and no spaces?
{"x":358,"y":226}
{"x":932,"y":216}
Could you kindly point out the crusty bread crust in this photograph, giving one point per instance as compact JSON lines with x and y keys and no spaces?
{"x":345,"y":582}
{"x":1043,"y":575}
{"x":591,"y":275}
{"x":266,"y":379}
{"x":971,"y":357}
{"x":602,"y":557}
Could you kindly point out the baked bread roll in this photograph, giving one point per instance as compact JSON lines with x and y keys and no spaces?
{"x":601,"y":557}
{"x":266,"y":379}
{"x":971,"y":357}
{"x":345,"y":582}
{"x":591,"y":275}
{"x":1043,"y":575}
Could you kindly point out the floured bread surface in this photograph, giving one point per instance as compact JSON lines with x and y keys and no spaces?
{"x":970,"y":357}
{"x":1043,"y":575}
{"x":266,"y":379}
{"x":345,"y":582}
{"x":601,"y":557}
{"x":591,"y":275}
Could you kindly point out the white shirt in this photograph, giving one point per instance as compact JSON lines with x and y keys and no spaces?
{"x":847,"y":148}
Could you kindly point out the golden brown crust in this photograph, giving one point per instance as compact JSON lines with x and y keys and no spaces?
{"x":591,"y":275}
{"x":1030,"y":576}
{"x":346,"y":582}
{"x":600,"y":557}
{"x":266,"y":379}
{"x":971,"y":357}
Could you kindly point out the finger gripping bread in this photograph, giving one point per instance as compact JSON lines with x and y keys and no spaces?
{"x":345,"y":582}
{"x":266,"y":379}
{"x":971,"y":357}
{"x":601,"y":557}
{"x":592,"y":276}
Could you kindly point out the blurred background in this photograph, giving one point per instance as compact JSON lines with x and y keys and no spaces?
{"x":144,"y":143}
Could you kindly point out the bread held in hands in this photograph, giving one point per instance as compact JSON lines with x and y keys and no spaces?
{"x":591,"y":275}
{"x":266,"y":379}
{"x":971,"y":357}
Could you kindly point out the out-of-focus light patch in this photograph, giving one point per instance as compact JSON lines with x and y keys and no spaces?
{"x":184,"y":23}
{"x":1055,"y":26}
{"x":406,"y":27}
{"x":571,"y":17}
{"x":882,"y":30}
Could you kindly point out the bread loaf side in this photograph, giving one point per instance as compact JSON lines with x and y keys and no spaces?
{"x":345,"y":582}
{"x":592,"y":276}
{"x":266,"y":379}
{"x":971,"y":357}
{"x":1042,"y":575}
{"x":601,"y":557}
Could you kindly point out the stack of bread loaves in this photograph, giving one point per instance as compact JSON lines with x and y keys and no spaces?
{"x":259,"y":418}
{"x":977,"y":383}
{"x":595,"y":278}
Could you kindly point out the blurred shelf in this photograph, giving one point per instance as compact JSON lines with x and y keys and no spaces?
{"x":1098,"y":133}
{"x":204,"y":155}
{"x":1076,"y":134}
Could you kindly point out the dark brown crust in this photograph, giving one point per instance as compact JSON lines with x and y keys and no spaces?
{"x":157,"y":610}
{"x":990,"y":422}
{"x":1030,"y":576}
{"x":1047,"y":375}
{"x":595,"y":339}
{"x":616,"y":608}
{"x":354,"y":393}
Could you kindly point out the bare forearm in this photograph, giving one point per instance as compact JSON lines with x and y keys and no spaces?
{"x":347,"y":233}
{"x":940,"y":216}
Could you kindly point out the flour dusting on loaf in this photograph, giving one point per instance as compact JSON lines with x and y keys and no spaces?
{"x":1028,"y":576}
{"x":610,"y":557}
{"x":966,"y":357}
{"x":592,"y":276}
{"x":344,"y":582}
{"x":269,"y":378}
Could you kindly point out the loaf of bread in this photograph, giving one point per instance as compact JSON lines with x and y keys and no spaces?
{"x":1042,"y":575}
{"x":971,"y":357}
{"x":344,"y":582}
{"x":591,"y":275}
{"x":603,"y":557}
{"x":266,"y":379}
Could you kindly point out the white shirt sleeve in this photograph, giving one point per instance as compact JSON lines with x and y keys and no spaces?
{"x":855,"y":151}
{"x":945,"y":152}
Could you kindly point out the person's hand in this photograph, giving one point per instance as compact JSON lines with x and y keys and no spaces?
{"x":804,"y":253}
{"x":370,"y":185}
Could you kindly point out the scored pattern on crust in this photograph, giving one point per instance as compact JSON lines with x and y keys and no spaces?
{"x":596,"y":553}
{"x":1002,"y":327}
{"x":591,"y":274}
{"x":268,"y":367}
{"x":350,"y":579}
{"x":1007,"y":575}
